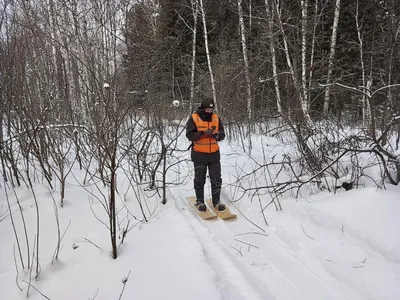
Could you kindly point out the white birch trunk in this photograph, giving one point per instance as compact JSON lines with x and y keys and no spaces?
{"x":365,"y":102}
{"x":304,"y":13}
{"x":367,"y":118}
{"x":250,"y":16}
{"x":203,"y":15}
{"x":246,"y":60}
{"x":331,"y":57}
{"x":316,"y":21}
{"x":388,"y":104}
{"x":270,"y":16}
{"x":302,"y":101}
{"x":195,"y":11}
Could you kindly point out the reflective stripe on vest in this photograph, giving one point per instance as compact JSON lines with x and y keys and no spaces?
{"x":206,"y":145}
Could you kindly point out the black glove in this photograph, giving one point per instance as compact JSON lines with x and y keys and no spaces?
{"x":216,"y":136}
{"x":209,"y":131}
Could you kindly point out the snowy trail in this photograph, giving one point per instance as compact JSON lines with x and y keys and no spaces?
{"x":270,"y":272}
{"x":232,"y":280}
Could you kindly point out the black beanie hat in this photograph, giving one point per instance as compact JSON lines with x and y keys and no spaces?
{"x":207,"y":103}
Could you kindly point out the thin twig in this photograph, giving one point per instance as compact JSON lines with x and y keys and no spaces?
{"x":124,"y":282}
{"x":95,"y":295}
{"x":248,"y":244}
{"x":4,"y":216}
{"x":360,"y":265}
{"x":246,"y":217}
{"x":89,"y":241}
{"x":37,"y":226}
{"x":306,"y":233}
{"x":58,"y":249}
{"x":12,"y":218}
{"x":16,"y":268}
{"x":31,"y":285}
{"x":257,"y":233}
{"x":30,"y":268}
{"x":124,"y":232}
{"x":240,"y":252}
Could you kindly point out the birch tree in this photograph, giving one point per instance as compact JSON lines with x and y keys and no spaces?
{"x":270,"y":20}
{"x":317,"y":17}
{"x":304,"y":16}
{"x":366,"y":109}
{"x":195,"y":11}
{"x":246,"y":60}
{"x":210,"y":69}
{"x":296,"y":82}
{"x":391,"y":39}
{"x":331,"y":57}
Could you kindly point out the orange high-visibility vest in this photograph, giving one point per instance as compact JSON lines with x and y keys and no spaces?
{"x":206,"y":145}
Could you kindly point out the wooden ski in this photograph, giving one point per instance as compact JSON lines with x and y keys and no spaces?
{"x":205,"y":215}
{"x":225,"y":214}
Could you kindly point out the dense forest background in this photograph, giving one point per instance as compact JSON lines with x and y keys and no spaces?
{"x":256,"y":58}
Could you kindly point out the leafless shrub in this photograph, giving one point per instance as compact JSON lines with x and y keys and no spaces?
{"x":326,"y":157}
{"x":155,"y":151}
{"x":60,"y":145}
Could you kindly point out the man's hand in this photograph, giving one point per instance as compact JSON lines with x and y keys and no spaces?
{"x":208,"y":132}
{"x":216,"y":136}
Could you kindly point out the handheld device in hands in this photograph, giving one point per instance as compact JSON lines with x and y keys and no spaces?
{"x":216,"y":136}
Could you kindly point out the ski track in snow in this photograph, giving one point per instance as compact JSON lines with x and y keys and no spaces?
{"x":232,"y":280}
{"x":295,"y":274}
{"x":272,"y":272}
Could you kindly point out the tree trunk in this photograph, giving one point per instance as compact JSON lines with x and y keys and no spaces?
{"x":195,"y":10}
{"x":203,"y":15}
{"x":246,"y":61}
{"x":388,"y":104}
{"x":331,"y":57}
{"x":304,"y":13}
{"x":365,"y":103}
{"x":311,"y":74}
{"x":302,"y":101}
{"x":270,"y":17}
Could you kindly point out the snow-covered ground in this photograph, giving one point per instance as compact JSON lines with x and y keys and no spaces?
{"x":324,"y":246}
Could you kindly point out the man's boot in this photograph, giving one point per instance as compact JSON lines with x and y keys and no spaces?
{"x":200,"y":200}
{"x":201,"y":206}
{"x":216,"y":194}
{"x":218,"y":205}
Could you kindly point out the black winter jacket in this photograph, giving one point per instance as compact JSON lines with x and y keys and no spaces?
{"x":193,"y":135}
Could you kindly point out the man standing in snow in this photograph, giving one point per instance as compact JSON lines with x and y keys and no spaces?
{"x":205,"y":129}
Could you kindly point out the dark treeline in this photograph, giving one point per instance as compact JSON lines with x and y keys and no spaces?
{"x":294,"y":37}
{"x":257,"y":58}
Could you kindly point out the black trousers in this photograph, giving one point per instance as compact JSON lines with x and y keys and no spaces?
{"x":200,"y":172}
